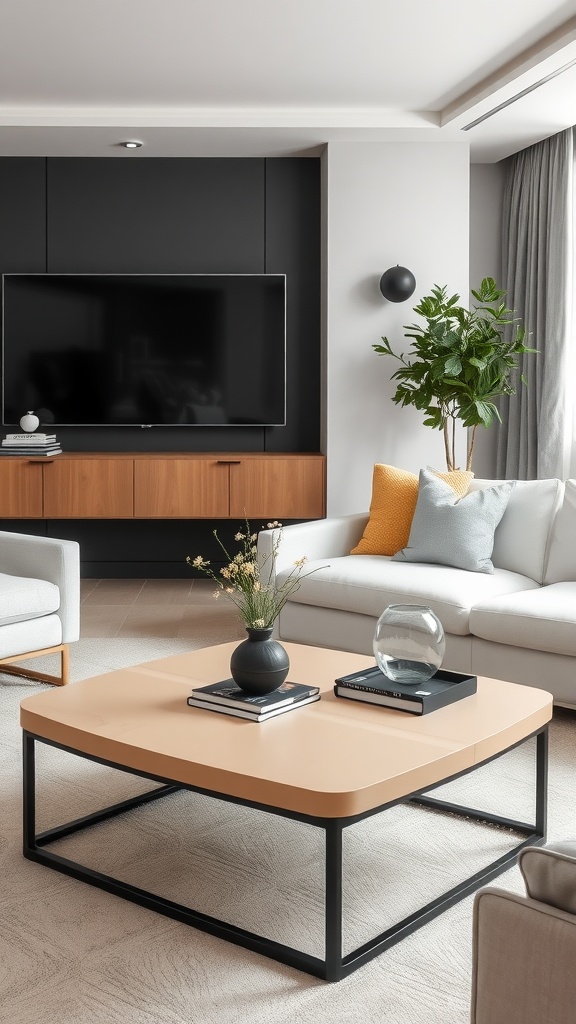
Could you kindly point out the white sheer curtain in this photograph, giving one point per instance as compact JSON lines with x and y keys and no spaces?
{"x":535,"y":439}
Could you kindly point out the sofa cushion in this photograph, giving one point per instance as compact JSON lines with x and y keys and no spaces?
{"x":394,"y":496}
{"x":522,"y":536}
{"x":30,"y":635}
{"x":541,"y":620}
{"x":561,"y":564}
{"x":448,"y":531}
{"x":367,"y":584}
{"x":22,"y":598}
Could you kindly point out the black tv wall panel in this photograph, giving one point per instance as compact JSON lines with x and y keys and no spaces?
{"x":293,"y":248}
{"x":155,"y":216}
{"x":22,"y":215}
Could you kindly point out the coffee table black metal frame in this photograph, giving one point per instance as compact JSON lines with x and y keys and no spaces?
{"x":334,"y":966}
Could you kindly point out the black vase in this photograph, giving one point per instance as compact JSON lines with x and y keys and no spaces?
{"x":259,"y":664}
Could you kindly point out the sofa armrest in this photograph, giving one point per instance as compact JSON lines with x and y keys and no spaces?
{"x":45,"y":558}
{"x":523,"y":961}
{"x":319,"y":539}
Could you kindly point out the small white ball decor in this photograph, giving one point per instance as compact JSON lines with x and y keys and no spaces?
{"x":29,"y":422}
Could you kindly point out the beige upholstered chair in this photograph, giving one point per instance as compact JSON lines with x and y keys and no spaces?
{"x":525,"y":946}
{"x":39,"y":602}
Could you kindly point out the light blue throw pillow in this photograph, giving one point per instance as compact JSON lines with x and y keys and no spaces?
{"x":450,"y":531}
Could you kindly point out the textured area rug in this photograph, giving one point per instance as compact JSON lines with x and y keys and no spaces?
{"x":71,"y":954}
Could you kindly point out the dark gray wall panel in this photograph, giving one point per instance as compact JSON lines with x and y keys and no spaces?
{"x":22,"y":215}
{"x":161,"y":439}
{"x":293,"y":248}
{"x":155,"y":216}
{"x":31,"y":527}
{"x":138,"y":548}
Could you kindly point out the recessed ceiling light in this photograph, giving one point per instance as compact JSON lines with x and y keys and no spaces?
{"x":131,"y":145}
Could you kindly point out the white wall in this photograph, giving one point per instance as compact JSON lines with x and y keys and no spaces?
{"x":385,"y":203}
{"x":486,"y":188}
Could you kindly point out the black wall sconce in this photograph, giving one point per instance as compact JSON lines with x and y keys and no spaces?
{"x":397,"y":284}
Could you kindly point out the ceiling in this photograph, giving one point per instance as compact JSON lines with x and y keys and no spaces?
{"x":282,"y":77}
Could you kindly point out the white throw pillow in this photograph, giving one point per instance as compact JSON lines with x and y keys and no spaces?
{"x":521,"y":539}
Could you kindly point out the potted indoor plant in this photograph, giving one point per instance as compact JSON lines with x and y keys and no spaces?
{"x":461,"y":361}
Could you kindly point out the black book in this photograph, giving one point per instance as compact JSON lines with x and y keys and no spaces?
{"x":373,"y":687}
{"x":226,"y":692}
{"x":21,"y":450}
{"x":252,"y":715}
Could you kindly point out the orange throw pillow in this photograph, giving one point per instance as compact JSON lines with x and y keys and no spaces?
{"x":394,"y":495}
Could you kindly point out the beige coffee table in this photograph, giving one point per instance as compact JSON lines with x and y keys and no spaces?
{"x":329,"y":764}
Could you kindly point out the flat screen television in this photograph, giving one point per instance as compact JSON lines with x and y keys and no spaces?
{"x":144,"y":349}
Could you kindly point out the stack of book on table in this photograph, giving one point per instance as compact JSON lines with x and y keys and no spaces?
{"x":229,"y":699}
{"x":373,"y":687}
{"x":30,"y":444}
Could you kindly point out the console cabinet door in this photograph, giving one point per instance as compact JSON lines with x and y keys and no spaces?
{"x":277,"y":488}
{"x":180,"y":489}
{"x":89,"y":489}
{"x":20,"y":489}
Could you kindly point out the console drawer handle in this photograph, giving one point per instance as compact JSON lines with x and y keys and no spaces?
{"x":228,"y":462}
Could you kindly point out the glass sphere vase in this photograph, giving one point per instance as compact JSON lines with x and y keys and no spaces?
{"x":409,"y":643}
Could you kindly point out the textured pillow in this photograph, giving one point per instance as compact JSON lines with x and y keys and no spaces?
{"x":448,"y":531}
{"x":394,"y":496}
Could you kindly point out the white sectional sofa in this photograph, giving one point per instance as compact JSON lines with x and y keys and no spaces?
{"x":518,"y":624}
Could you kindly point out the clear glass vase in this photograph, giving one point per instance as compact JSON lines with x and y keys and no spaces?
{"x":409,"y":643}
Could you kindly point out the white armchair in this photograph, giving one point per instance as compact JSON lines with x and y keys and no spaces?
{"x":39,"y":602}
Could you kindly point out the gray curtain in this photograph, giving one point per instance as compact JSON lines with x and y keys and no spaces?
{"x":536,"y":273}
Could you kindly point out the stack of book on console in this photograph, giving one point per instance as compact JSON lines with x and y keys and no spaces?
{"x":229,"y":699}
{"x":27,"y":445}
{"x":373,"y":687}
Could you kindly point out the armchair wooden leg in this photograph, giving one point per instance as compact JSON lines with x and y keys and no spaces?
{"x":43,"y":677}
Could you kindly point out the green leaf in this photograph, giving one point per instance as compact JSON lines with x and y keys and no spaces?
{"x":485,"y":412}
{"x":384,"y":349}
{"x":453,"y":365}
{"x":434,"y":418}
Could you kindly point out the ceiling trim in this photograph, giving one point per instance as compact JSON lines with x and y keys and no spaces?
{"x":217,"y":117}
{"x":553,"y":55}
{"x":519,"y":95}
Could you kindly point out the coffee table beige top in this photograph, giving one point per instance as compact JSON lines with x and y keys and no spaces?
{"x":333,"y":758}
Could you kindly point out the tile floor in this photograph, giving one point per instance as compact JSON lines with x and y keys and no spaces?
{"x":136,"y":608}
